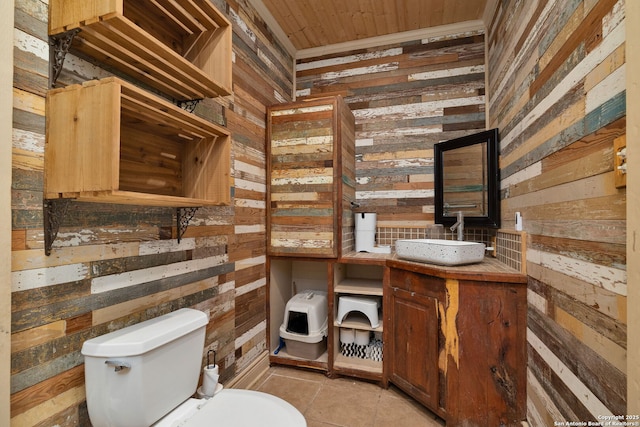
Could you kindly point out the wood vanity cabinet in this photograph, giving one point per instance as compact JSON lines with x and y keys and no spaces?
{"x":310,"y":177}
{"x":455,"y":340}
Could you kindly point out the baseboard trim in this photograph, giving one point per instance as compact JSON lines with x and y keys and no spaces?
{"x":251,"y":374}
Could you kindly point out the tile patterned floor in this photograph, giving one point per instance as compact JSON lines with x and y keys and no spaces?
{"x":344,"y":402}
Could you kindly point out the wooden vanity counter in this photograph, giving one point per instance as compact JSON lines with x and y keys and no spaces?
{"x":489,"y":270}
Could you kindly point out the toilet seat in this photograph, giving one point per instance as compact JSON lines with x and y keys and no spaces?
{"x":238,"y":408}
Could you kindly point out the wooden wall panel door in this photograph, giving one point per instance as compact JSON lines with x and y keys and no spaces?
{"x":488,"y":385}
{"x":305,"y":192}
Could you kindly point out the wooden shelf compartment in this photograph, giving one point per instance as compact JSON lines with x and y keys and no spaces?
{"x":109,"y":141}
{"x":356,"y":279}
{"x":288,"y":276}
{"x":180,"y":47}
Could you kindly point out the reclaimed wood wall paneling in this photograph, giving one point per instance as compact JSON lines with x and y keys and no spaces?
{"x":552,"y":68}
{"x":405,"y":98}
{"x":96,"y":273}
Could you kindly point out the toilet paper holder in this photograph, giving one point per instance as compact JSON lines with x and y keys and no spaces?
{"x":210,"y":377}
{"x":214,"y":358}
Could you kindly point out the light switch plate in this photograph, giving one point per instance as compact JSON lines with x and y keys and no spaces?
{"x":620,"y":161}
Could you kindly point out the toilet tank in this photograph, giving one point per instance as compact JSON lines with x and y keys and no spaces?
{"x":136,"y":375}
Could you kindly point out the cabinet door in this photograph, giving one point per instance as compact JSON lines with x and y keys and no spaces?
{"x":310,"y":177}
{"x":414,"y":345}
{"x":302,"y":192}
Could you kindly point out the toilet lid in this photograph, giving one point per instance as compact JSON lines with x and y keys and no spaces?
{"x":246,"y":408}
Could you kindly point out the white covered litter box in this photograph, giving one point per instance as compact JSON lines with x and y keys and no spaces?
{"x":304,"y":329}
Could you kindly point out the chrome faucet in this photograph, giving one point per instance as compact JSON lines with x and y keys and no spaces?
{"x":459,"y":225}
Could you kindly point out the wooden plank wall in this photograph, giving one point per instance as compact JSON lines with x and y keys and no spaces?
{"x":112,"y":265}
{"x":405,"y":97}
{"x":556,"y":91}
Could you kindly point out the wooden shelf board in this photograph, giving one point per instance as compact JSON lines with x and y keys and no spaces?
{"x":359,"y":286}
{"x":286,"y":359}
{"x":357,"y":364}
{"x":357,"y":320}
{"x":365,"y":258}
{"x":134,"y":198}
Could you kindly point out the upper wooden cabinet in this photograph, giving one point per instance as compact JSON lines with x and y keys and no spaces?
{"x":311,"y":177}
{"x":180,"y":47}
{"x":109,"y":141}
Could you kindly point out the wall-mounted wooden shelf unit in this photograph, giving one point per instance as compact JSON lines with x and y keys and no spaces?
{"x":109,"y":141}
{"x":182,"y":47}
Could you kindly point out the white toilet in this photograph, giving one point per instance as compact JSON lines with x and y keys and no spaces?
{"x":145,"y":375}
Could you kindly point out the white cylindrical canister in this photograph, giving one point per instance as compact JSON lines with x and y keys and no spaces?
{"x":365,"y":231}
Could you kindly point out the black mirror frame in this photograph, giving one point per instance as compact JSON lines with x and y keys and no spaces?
{"x":492,"y":219}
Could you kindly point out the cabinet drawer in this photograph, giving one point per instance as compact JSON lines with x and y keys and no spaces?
{"x":416,"y":283}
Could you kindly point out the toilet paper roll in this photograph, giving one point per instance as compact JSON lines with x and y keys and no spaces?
{"x":347,"y":336}
{"x":362,"y":337}
{"x":210,"y":380}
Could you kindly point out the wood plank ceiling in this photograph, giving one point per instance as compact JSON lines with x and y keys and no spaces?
{"x":316,"y":23}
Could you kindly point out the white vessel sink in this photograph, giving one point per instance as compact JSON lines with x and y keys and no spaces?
{"x":443,"y":252}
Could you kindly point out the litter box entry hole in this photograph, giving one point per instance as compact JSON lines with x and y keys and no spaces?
{"x":298,"y":323}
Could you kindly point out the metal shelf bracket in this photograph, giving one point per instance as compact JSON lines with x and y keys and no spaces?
{"x":189,"y":105}
{"x":59,"y":45}
{"x":183,"y":217}
{"x":53,"y":212}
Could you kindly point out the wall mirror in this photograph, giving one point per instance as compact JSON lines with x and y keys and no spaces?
{"x":467,"y":179}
